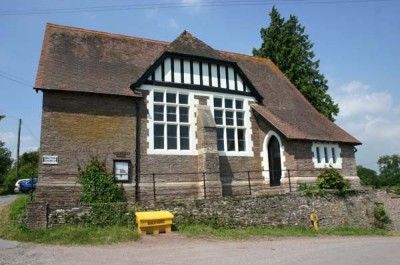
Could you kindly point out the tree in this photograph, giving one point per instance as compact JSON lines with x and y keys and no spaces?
{"x":28,"y":167}
{"x":389,"y":168}
{"x":288,"y":46}
{"x":367,"y":176}
{"x":5,"y":161}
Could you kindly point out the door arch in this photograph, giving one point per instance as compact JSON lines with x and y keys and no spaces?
{"x":273,"y":159}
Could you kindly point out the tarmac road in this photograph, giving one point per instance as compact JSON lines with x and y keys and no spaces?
{"x":175,"y":249}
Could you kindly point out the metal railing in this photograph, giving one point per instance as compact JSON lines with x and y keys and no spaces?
{"x":207,"y":185}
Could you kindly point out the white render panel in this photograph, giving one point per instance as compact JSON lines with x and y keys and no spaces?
{"x":196,"y":73}
{"x":214,"y":75}
{"x":177,"y":70}
{"x":231,"y":75}
{"x":239,"y":83}
{"x":222,"y":74}
{"x":167,"y":70}
{"x":157,"y":74}
{"x":206,"y":81}
{"x":186,"y":72}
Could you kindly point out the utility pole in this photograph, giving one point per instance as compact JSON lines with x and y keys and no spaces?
{"x":18,"y":145}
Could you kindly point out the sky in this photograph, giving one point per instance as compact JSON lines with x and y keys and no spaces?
{"x":357,"y":43}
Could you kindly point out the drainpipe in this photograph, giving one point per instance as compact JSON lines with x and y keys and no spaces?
{"x":137,"y":151}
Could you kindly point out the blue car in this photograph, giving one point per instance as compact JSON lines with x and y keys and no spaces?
{"x":28,"y":185}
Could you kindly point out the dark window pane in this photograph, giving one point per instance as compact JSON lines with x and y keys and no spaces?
{"x":218,"y":102}
{"x":183,"y":114}
{"x":184,"y":137}
{"x":230,"y":139}
{"x":158,"y":136}
{"x":318,"y":155}
{"x":158,"y":113}
{"x":326,"y":155}
{"x":333,"y":155}
{"x":241,"y":139}
{"x":240,"y":118}
{"x":220,"y":139}
{"x":218,"y":116}
{"x":158,"y":96}
{"x":171,"y":113}
{"x":171,"y":137}
{"x":171,"y":97}
{"x":239,"y":104}
{"x":228,"y":103}
{"x":183,"y":99}
{"x":229,"y":117}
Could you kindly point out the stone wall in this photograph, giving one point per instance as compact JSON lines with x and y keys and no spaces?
{"x":292,"y":209}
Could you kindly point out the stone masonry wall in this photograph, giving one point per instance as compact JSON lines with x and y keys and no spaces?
{"x":292,"y":209}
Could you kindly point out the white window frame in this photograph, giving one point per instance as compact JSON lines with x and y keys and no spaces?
{"x":322,"y":163}
{"x":150,"y":125}
{"x":246,"y":126}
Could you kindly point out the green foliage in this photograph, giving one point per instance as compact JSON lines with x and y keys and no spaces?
{"x":97,"y":185}
{"x":330,"y":179}
{"x":203,"y":230}
{"x":28,"y":167}
{"x":367,"y":176}
{"x":11,"y":228}
{"x":310,"y":190}
{"x":5,"y":161}
{"x":108,"y":214}
{"x":288,"y":46}
{"x":389,"y":168}
{"x":381,"y":218}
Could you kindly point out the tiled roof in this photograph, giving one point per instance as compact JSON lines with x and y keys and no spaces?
{"x":75,"y":59}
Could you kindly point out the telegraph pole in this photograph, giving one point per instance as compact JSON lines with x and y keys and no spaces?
{"x":18,"y":146}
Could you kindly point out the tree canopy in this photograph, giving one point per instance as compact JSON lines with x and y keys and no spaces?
{"x":288,"y":46}
{"x":5,"y":161}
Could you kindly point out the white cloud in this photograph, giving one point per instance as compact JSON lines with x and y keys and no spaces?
{"x":358,"y":99}
{"x":191,"y":2}
{"x":27,"y":143}
{"x":372,"y":116}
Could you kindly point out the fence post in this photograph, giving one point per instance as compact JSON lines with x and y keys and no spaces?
{"x":204,"y":184}
{"x":248,"y":179}
{"x":290,"y":183}
{"x":154,"y":186}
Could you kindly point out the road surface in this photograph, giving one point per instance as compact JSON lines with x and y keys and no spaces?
{"x":175,"y":249}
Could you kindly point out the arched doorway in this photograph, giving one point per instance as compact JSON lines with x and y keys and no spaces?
{"x":274,"y":161}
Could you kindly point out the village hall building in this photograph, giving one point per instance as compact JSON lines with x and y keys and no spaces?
{"x":175,"y":110}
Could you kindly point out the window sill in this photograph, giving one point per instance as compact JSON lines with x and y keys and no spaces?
{"x":327,"y":166}
{"x":235,"y":153}
{"x":172,"y":152}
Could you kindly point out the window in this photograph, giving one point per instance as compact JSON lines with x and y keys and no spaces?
{"x":326,"y":155}
{"x":229,"y":116}
{"x":121,"y":170}
{"x":171,"y":128}
{"x":318,"y":155}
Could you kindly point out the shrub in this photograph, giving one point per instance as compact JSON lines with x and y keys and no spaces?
{"x":331,"y":179}
{"x":310,"y":189}
{"x":381,"y":218}
{"x":98,"y":186}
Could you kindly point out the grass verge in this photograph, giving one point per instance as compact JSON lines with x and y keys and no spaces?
{"x":199,"y":230}
{"x":12,"y":229}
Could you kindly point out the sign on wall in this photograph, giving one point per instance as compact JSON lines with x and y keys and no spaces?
{"x":49,"y":160}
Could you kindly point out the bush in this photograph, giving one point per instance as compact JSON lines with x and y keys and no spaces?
{"x":381,"y":218}
{"x":310,"y":189}
{"x":330,"y":179}
{"x":98,"y":186}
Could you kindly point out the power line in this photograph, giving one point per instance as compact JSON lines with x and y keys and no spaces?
{"x":14,"y":79}
{"x":170,"y":5}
